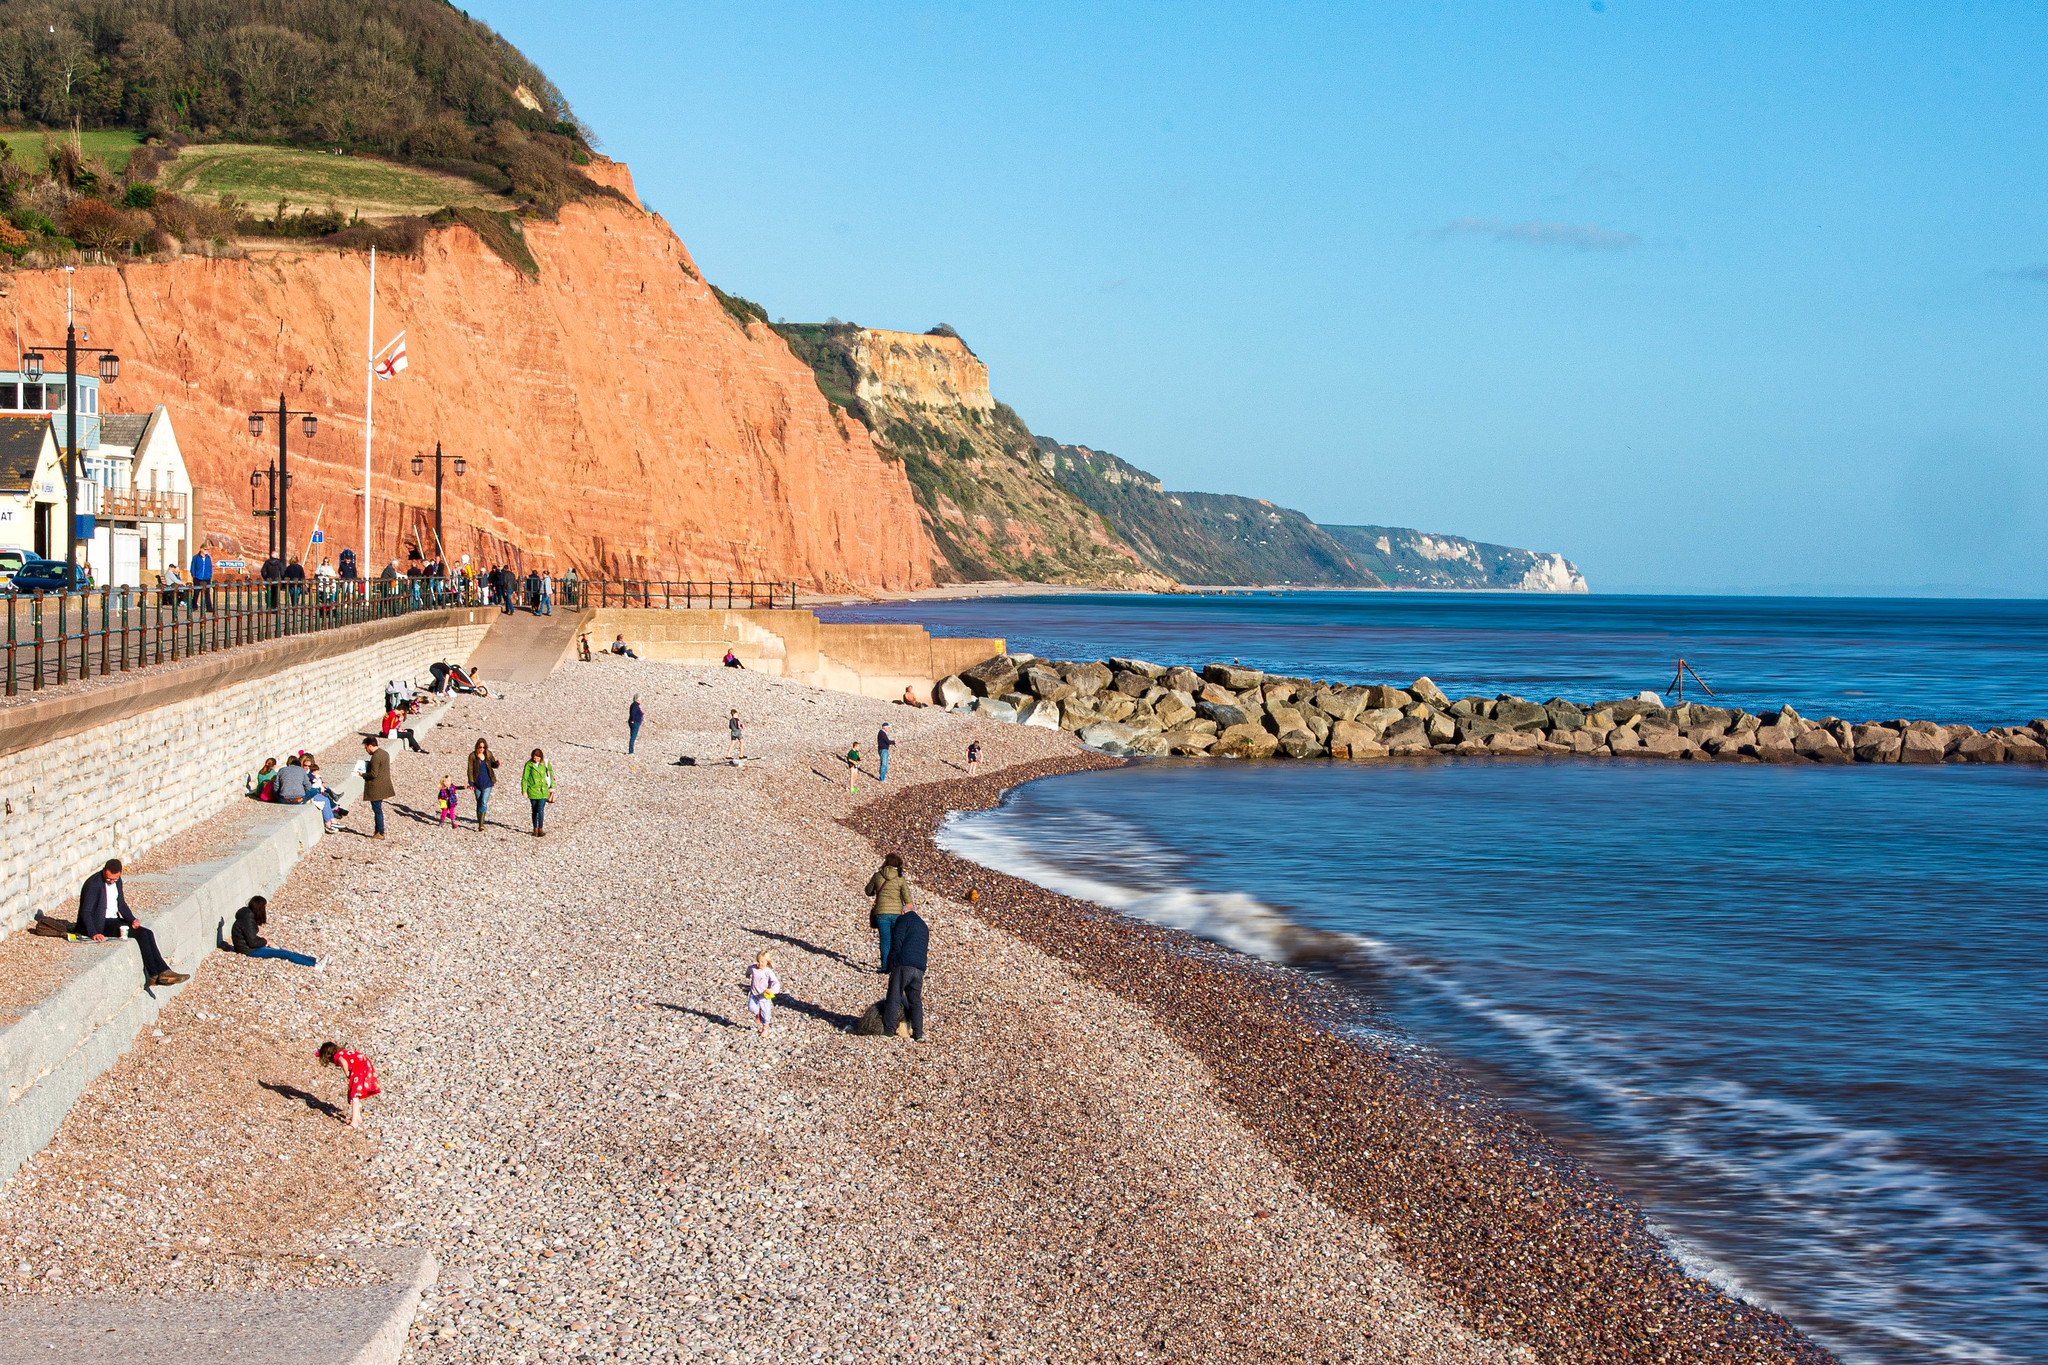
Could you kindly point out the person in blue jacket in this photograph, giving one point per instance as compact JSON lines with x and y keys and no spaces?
{"x":202,"y":579}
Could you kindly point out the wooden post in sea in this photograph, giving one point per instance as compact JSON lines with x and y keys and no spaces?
{"x":1678,"y":682}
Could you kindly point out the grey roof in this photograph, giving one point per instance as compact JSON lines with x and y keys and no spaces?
{"x":21,"y":447}
{"x":124,"y":429}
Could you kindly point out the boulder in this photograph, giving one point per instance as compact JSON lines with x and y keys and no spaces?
{"x":1282,"y":718}
{"x":1144,"y":720}
{"x":1651,"y":697}
{"x":1151,"y":746}
{"x":1386,"y":698}
{"x":1423,"y":690}
{"x":1318,"y":725}
{"x":1920,"y":746}
{"x":1188,"y":741}
{"x":1076,"y":712}
{"x":1087,"y":679}
{"x":993,"y":708}
{"x":1516,"y":714}
{"x":1172,"y":711}
{"x":1601,"y":719}
{"x":1511,"y":742}
{"x":1224,"y":716}
{"x":1882,"y":747}
{"x":1623,"y":741}
{"x":1234,"y":677}
{"x":1040,"y":712}
{"x":1182,"y":679}
{"x":1581,"y":741}
{"x":1465,"y":708}
{"x":1348,"y":736}
{"x":1700,"y":734}
{"x":1104,"y":733}
{"x":1820,"y":746}
{"x":1130,"y":684}
{"x":1207,"y":727}
{"x":1300,"y":744}
{"x":1472,"y":729}
{"x":1564,"y":715}
{"x":1980,"y":749}
{"x":2024,"y":746}
{"x":1441,"y":728}
{"x":992,"y":677}
{"x":1138,"y":666}
{"x":1041,"y":681}
{"x":1408,"y":735}
{"x":1114,"y":705}
{"x":1338,"y":705}
{"x":952,"y":692}
{"x":1776,"y":753}
{"x":1245,"y":741}
{"x":1663,"y":743}
{"x":1379,"y":718}
{"x":1775,"y":736}
{"x":1222,"y":696}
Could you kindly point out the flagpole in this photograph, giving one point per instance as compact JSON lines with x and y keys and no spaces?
{"x":369,"y":397}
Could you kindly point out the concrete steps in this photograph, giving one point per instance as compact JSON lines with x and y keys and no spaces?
{"x":524,"y":648}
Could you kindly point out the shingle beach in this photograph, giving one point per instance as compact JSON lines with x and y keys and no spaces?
{"x":1117,"y":1143}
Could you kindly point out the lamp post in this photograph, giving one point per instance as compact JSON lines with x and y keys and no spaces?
{"x":256,"y":479}
{"x":32,"y":370}
{"x":282,"y":479}
{"x":419,"y":463}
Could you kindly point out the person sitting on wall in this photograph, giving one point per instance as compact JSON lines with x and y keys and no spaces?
{"x":295,"y":788}
{"x":732,"y":660}
{"x":619,"y":646}
{"x":103,"y":913}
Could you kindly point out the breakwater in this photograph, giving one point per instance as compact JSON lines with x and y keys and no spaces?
{"x":1127,"y":706}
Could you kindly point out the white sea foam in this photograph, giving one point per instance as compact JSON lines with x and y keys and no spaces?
{"x":1866,"y":1231}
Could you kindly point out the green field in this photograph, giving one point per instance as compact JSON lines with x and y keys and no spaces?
{"x":110,"y":145}
{"x":260,"y":176}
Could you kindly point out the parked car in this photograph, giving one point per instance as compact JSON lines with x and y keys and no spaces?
{"x":11,"y":560}
{"x":47,"y":575}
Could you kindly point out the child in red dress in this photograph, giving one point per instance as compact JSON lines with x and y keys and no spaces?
{"x":362,"y":1077}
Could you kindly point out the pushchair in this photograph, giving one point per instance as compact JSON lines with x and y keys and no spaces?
{"x":453,"y":678}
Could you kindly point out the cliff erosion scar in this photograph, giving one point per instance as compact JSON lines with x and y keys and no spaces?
{"x":615,"y":417}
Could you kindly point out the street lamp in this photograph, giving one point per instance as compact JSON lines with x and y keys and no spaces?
{"x":32,"y":370}
{"x":283,"y":480}
{"x":256,"y":479}
{"x":419,"y":463}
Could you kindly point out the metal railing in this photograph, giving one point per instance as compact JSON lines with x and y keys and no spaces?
{"x":55,"y":638}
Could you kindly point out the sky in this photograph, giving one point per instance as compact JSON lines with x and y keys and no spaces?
{"x":1703,"y":296}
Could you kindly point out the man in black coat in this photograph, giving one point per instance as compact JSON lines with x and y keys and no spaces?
{"x":103,"y":910}
{"x":909,"y":942}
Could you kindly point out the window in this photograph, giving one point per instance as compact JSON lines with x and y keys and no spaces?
{"x":10,"y":397}
{"x":89,"y":399}
{"x":53,"y":397}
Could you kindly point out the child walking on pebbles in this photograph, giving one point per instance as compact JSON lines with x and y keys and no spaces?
{"x":762,"y":984}
{"x":362,"y":1077}
{"x":447,"y":799}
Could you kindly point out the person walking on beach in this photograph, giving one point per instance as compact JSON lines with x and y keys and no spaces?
{"x":907,"y":956}
{"x":377,"y":785}
{"x":103,"y":913}
{"x":483,"y":775}
{"x":893,"y":897}
{"x":736,"y":739}
{"x":762,"y":984}
{"x":853,"y":768}
{"x":538,"y":782}
{"x":973,"y":758}
{"x":634,"y":717}
{"x":362,"y":1077}
{"x":884,"y":742}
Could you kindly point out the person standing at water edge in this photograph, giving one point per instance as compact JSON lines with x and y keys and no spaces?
{"x":377,"y":786}
{"x":891,"y":890}
{"x":974,"y":758}
{"x":103,"y":910}
{"x":483,"y":775}
{"x":538,"y":782}
{"x":884,"y":742}
{"x":634,"y":717}
{"x":736,"y":743}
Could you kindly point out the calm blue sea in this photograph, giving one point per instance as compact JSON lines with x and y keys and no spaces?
{"x":1797,"y":1011}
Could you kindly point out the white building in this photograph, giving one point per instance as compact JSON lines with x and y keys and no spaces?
{"x":132,"y":483}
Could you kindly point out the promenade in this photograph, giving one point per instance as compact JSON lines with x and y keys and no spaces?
{"x":610,"y":1166}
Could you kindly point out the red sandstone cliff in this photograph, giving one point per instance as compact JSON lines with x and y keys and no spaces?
{"x":613,"y":415}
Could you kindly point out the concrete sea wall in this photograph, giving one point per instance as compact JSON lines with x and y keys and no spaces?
{"x":111,"y":769}
{"x":1129,"y":706}
{"x":867,"y":659}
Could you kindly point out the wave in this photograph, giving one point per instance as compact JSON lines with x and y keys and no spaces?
{"x":1750,"y":1188}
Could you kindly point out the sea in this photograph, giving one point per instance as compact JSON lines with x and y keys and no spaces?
{"x":1797,"y":1012}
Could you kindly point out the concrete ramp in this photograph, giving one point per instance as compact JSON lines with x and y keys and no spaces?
{"x":524,"y":648}
{"x":300,"y":1326}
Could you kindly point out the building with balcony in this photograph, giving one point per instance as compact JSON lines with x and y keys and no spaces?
{"x":132,"y":483}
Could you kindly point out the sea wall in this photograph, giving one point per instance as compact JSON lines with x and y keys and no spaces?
{"x":1129,"y":706}
{"x":868,"y":659}
{"x":110,"y":770}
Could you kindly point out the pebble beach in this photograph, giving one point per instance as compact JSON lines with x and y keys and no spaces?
{"x":1116,"y":1143}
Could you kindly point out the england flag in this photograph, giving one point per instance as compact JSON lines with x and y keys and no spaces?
{"x":391,"y":359}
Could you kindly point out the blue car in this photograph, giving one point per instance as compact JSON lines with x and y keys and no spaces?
{"x":47,"y":575}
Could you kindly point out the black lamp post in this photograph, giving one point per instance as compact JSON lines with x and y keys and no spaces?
{"x":419,"y":463}
{"x":32,"y":370}
{"x":256,"y":479}
{"x":282,"y":483}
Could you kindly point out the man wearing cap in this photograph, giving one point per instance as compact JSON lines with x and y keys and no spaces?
{"x":103,"y":911}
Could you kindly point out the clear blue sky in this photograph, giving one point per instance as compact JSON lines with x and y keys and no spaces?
{"x":1707,"y":295}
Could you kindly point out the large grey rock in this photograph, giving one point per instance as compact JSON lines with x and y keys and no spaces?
{"x":1188,"y":741}
{"x":1130,"y":684}
{"x":1441,"y":728}
{"x":1409,"y":734}
{"x":1182,"y":679}
{"x":993,"y":708}
{"x":1881,"y":747}
{"x":1224,"y":716}
{"x":1512,"y":742}
{"x":1380,"y":718}
{"x":1820,"y":746}
{"x":1217,"y":693}
{"x":992,"y":677}
{"x":1318,"y":724}
{"x":1020,"y":700}
{"x":1042,"y":712}
{"x":1349,"y":738}
{"x":1564,"y":715}
{"x":1233,"y":676}
{"x":1172,"y":711}
{"x":1472,"y":728}
{"x":1115,"y":705}
{"x":1381,"y":698}
{"x":1338,"y":705}
{"x":1423,"y":690}
{"x":1087,"y":678}
{"x":2024,"y":746}
{"x":952,"y":692}
{"x":1299,"y":744}
{"x":1104,"y":733}
{"x":1245,"y":741}
{"x":1517,"y":714}
{"x":1282,"y":718}
{"x":1920,"y":746}
{"x":1041,"y":681}
{"x":1139,"y":666}
{"x":1151,"y":746}
{"x":1980,"y":749}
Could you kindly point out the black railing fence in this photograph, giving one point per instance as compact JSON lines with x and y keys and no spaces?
{"x":55,"y":637}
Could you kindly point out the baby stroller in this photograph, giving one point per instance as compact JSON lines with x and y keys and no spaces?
{"x":453,"y":678}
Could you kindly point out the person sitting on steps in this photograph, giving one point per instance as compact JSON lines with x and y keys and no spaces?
{"x":103,"y":912}
{"x":732,"y":660}
{"x":619,"y":646}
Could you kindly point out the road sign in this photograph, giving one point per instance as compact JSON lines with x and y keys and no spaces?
{"x":319,"y":537}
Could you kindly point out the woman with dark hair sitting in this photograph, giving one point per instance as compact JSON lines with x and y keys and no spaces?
{"x":249,"y":943}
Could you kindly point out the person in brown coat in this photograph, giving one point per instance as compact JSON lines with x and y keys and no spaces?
{"x":377,"y":788}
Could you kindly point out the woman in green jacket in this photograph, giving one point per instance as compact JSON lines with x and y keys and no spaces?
{"x":891,"y":890}
{"x":538,"y":782}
